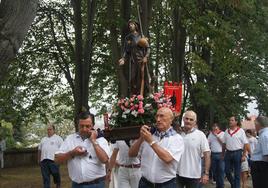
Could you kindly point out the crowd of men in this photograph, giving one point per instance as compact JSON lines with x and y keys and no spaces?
{"x":160,"y":158}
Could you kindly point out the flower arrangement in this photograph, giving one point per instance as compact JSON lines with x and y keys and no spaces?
{"x":138,"y":110}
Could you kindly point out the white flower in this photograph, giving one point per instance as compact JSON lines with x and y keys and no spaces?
{"x":124,"y":116}
{"x":115,"y":114}
{"x":134,"y":113}
{"x":127,"y":111}
{"x":148,"y":106}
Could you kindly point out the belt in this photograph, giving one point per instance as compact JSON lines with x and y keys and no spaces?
{"x":150,"y":184}
{"x":131,"y":165}
{"x":216,"y":152}
{"x":234,"y":150}
{"x":95,"y":181}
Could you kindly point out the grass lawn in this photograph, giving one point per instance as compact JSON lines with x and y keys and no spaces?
{"x":30,"y":177}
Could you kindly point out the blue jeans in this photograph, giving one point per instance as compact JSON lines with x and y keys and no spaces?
{"x":146,"y":184}
{"x":100,"y":184}
{"x":217,"y":166}
{"x":232,"y":161}
{"x":49,"y":167}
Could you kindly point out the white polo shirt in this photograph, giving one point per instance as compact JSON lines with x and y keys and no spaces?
{"x":49,"y":145}
{"x":152,"y":167}
{"x":214,"y":143}
{"x":235,"y":139}
{"x":123,"y":157}
{"x":253,"y":143}
{"x":195,"y":144}
{"x":84,"y":168}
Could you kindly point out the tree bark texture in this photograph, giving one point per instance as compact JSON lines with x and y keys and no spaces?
{"x":83,"y":55}
{"x":16,"y":17}
{"x":178,"y":47}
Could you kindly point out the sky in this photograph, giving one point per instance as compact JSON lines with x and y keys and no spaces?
{"x":251,"y":108}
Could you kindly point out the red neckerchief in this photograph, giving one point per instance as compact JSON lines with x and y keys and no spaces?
{"x":231,"y":134}
{"x":219,"y":132}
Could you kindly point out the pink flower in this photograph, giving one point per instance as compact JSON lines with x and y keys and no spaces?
{"x":140,"y":104}
{"x":141,"y":111}
{"x":126,"y":104}
{"x":140,"y":97}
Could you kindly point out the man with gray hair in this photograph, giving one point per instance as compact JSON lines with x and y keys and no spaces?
{"x":259,"y":169}
{"x":189,"y":172}
{"x":160,"y":152}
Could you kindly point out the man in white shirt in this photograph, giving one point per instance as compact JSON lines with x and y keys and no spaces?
{"x":160,"y":152}
{"x":129,"y":172}
{"x":196,"y":146}
{"x":86,"y":154}
{"x":259,"y":157}
{"x":2,"y":149}
{"x":46,"y":151}
{"x":236,"y":145}
{"x":215,"y":140}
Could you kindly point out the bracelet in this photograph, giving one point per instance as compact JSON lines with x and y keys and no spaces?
{"x":152,"y":143}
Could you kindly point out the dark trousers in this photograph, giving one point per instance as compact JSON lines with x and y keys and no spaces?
{"x":232,"y":161}
{"x":217,"y":167}
{"x":144,"y":183}
{"x":259,"y":172}
{"x":49,"y":167}
{"x":183,"y":182}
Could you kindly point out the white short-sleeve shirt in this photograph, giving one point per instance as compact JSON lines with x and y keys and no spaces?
{"x":235,"y":139}
{"x":153,"y":168}
{"x":123,"y":157}
{"x":88,"y":167}
{"x":195,"y":144}
{"x":261,"y":149}
{"x":214,"y":143}
{"x":49,"y":145}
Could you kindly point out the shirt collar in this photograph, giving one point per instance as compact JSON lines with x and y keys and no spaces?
{"x":167,"y":133}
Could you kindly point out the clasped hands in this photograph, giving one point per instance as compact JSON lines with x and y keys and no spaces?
{"x":145,"y":133}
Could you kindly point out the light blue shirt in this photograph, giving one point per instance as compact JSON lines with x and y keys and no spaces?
{"x":262,"y":147}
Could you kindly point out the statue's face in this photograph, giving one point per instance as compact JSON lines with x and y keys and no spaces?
{"x":132,"y":26}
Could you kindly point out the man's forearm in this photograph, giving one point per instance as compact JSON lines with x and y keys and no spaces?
{"x":207,"y":162}
{"x":101,"y":154}
{"x":134,"y":149}
{"x":246,"y":149}
{"x":163,"y":154}
{"x":62,"y":157}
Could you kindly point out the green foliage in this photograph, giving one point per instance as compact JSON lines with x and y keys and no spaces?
{"x":225,"y":61}
{"x":6,"y":132}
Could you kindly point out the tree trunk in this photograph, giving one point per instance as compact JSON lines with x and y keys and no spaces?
{"x":16,"y":17}
{"x":115,"y":49}
{"x":83,"y":56}
{"x":125,"y":15}
{"x":178,"y":47}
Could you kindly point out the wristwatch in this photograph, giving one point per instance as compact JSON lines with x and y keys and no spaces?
{"x":152,"y":143}
{"x":95,"y":143}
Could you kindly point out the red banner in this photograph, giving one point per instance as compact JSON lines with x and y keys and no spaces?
{"x":174,"y":90}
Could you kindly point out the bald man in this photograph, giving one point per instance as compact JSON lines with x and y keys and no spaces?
{"x":160,"y":152}
{"x":196,"y":146}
